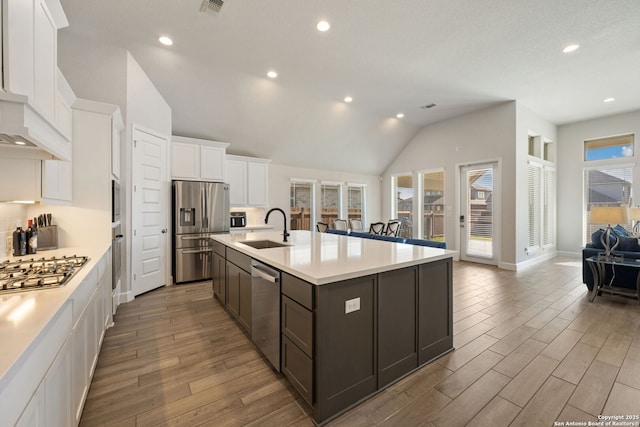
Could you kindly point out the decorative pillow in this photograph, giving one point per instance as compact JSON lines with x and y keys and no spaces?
{"x":595,"y":239}
{"x":620,"y":230}
{"x":628,"y":244}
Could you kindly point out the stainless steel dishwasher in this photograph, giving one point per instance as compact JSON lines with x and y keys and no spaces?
{"x":265,"y":311}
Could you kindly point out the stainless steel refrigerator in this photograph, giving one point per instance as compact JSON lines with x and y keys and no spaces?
{"x":199,"y":210}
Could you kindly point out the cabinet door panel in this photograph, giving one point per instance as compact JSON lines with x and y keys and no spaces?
{"x":212,"y":161}
{"x":45,"y":60}
{"x":233,"y":289}
{"x":435,"y":302}
{"x":257,"y":184}
{"x":397,"y":321}
{"x":185,"y":160}
{"x":236,"y":177}
{"x":297,"y":325}
{"x":298,"y":368}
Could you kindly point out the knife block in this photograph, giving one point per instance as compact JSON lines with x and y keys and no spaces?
{"x":48,"y":237}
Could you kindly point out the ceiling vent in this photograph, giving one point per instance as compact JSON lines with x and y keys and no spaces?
{"x":211,"y":6}
{"x":426,"y":107}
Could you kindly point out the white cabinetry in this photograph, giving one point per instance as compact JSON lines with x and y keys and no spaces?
{"x":56,"y":181}
{"x":197,"y":159}
{"x":27,"y":176}
{"x":248,"y":179}
{"x":30,"y":71}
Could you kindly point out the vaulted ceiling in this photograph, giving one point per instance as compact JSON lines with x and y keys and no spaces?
{"x":390,"y":56}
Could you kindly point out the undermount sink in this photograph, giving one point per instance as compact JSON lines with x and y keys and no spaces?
{"x":264,"y":244}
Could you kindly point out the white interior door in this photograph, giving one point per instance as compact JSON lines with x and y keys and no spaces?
{"x":478,"y":208}
{"x":150,"y":198}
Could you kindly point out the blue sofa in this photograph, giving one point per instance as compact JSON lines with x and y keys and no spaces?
{"x":628,"y":247}
{"x":420,"y":242}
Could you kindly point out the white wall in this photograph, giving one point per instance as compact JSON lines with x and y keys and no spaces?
{"x":280,"y":180}
{"x":10,"y":215}
{"x":485,"y":135}
{"x":146,"y":109}
{"x":527,"y":121}
{"x":105,"y":73}
{"x":570,"y":172}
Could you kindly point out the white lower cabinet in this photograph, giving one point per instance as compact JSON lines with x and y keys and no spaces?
{"x":57,"y":390}
{"x":61,"y":383}
{"x":34,"y":414}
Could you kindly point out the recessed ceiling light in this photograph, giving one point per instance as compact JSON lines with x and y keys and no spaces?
{"x":570,"y":48}
{"x":20,"y":143}
{"x":165,"y":41}
{"x":323,"y":26}
{"x":348,"y":99}
{"x":400,"y":115}
{"x":608,"y":100}
{"x":272,"y":74}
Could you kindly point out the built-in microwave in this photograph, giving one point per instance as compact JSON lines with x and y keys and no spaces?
{"x":115,"y":201}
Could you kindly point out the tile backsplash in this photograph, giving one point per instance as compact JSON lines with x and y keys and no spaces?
{"x":10,"y":214}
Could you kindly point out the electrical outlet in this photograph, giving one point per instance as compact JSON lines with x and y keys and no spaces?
{"x":351,"y":305}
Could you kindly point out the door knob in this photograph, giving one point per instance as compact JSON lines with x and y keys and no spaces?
{"x":164,"y":231}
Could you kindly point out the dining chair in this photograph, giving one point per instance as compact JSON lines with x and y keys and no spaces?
{"x":355,"y":224}
{"x":376,"y":228}
{"x":340,"y":224}
{"x":322,"y":226}
{"x":393,"y":227}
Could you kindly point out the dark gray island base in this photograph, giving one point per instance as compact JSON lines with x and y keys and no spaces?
{"x":337,"y":359}
{"x":343,"y":340}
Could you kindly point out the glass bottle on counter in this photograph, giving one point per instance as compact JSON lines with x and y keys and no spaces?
{"x":19,"y":242}
{"x":32,"y":238}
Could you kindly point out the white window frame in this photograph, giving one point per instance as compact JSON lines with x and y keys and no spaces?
{"x":419,"y":187}
{"x":617,"y":163}
{"x":543,"y":229}
{"x":313,"y":201}
{"x":363,"y":189}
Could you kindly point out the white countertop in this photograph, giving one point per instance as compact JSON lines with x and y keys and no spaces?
{"x":321,"y":258}
{"x":24,"y":315}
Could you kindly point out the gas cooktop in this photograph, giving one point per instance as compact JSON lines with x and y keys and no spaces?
{"x":43,"y":273}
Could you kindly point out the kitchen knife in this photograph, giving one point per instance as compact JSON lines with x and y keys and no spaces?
{"x":49,"y":219}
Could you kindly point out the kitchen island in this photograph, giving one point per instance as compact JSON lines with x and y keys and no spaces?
{"x":356,"y":314}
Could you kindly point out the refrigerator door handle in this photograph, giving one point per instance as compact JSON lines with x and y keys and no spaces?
{"x":198,"y":251}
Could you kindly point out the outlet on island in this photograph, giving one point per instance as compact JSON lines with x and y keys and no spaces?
{"x":351,"y":305}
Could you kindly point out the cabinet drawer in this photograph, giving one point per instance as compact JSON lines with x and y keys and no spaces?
{"x":298,"y":368}
{"x":241,"y":260}
{"x":298,"y":290}
{"x":218,"y":248}
{"x":297,"y":325}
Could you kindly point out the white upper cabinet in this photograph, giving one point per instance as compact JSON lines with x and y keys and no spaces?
{"x":248,"y":179}
{"x":198,"y":159}
{"x":56,"y":181}
{"x":36,"y":99}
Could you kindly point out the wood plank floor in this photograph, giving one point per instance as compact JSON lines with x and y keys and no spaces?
{"x":530,"y":350}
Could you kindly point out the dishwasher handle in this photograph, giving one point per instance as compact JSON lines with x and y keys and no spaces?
{"x":257,"y":271}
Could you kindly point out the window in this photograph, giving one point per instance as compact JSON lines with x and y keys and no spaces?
{"x":541,"y":182}
{"x":606,"y":186}
{"x":609,"y":148}
{"x":330,"y":204}
{"x":356,"y":202}
{"x":402,"y":186}
{"x":302,"y":201}
{"x":433,"y":205}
